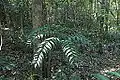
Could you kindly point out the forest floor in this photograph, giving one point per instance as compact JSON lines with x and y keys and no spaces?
{"x":88,"y":63}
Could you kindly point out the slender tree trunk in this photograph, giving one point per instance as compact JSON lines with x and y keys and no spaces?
{"x":0,"y":37}
{"x":1,"y":42}
{"x":118,"y":13}
{"x":102,"y":20}
{"x":39,"y":13}
{"x":107,"y":12}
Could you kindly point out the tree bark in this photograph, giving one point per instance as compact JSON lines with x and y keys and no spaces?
{"x":38,"y":13}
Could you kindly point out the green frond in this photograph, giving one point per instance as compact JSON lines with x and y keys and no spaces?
{"x":68,"y":49}
{"x":114,"y":74}
{"x":78,"y":38}
{"x":36,"y":36}
{"x":43,"y":35}
{"x":100,"y":77}
{"x":43,"y":49}
{"x":47,"y":30}
{"x":38,"y":33}
{"x":32,"y":38}
{"x":45,"y":39}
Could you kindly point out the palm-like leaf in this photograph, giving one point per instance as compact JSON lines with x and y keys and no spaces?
{"x":43,"y":49}
{"x":69,"y":50}
{"x":32,"y":38}
{"x":46,"y":41}
{"x":49,"y":44}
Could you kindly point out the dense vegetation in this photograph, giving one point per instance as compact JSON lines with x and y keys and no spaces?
{"x":59,"y":39}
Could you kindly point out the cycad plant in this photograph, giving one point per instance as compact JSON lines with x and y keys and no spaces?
{"x":45,"y":42}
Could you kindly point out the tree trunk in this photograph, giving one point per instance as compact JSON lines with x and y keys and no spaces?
{"x":38,"y":13}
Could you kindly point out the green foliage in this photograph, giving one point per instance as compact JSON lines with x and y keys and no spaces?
{"x":43,"y":49}
{"x":33,"y":77}
{"x":46,"y":42}
{"x":52,"y":41}
{"x":6,"y":64}
{"x":72,"y":25}
{"x":3,"y":78}
{"x":100,"y":77}
{"x":116,"y":74}
{"x":75,"y":77}
{"x":60,"y":76}
{"x":69,"y":50}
